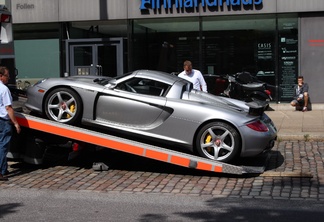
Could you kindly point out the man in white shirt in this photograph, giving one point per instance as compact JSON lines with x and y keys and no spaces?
{"x":7,"y":120}
{"x":193,"y":76}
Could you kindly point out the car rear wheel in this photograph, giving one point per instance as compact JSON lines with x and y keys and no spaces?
{"x":63,"y":105}
{"x":218,"y":141}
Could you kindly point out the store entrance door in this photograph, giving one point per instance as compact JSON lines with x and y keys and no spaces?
{"x":103,"y":57}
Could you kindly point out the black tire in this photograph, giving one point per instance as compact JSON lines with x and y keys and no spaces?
{"x":63,"y":105}
{"x":218,"y":141}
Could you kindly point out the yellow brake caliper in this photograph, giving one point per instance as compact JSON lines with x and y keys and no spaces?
{"x":72,"y":109}
{"x":208,"y":140}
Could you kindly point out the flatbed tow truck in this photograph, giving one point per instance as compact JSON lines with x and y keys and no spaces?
{"x":54,"y":130}
{"x":83,"y":135}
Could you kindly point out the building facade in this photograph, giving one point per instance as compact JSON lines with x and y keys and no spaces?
{"x":276,"y":40}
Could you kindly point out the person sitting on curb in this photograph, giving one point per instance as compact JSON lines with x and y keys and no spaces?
{"x":301,"y":95}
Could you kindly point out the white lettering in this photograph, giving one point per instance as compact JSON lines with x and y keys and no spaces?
{"x":264,"y":45}
{"x":167,"y":4}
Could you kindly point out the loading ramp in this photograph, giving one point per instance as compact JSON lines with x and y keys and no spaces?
{"x":131,"y":146}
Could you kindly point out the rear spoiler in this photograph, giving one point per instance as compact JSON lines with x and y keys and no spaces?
{"x":257,"y":107}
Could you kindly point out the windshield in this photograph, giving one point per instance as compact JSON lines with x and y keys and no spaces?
{"x":105,"y":81}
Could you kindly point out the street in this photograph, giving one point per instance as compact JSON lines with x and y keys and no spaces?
{"x":48,"y":205}
{"x":139,"y":189}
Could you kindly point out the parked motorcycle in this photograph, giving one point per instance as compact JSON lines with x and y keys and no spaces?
{"x":244,"y":86}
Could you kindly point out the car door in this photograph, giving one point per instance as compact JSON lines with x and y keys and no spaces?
{"x":130,"y":108}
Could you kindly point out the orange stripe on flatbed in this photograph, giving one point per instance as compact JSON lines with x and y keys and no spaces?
{"x":181,"y":161}
{"x":218,"y":169}
{"x":157,"y":155}
{"x":204,"y":166}
{"x":81,"y":136}
{"x":209,"y":167}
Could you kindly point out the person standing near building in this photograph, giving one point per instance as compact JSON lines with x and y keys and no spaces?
{"x":7,"y":119}
{"x":301,"y":94}
{"x":193,"y":76}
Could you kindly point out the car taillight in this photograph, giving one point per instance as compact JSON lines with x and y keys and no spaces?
{"x":258,"y":126}
{"x":5,"y":18}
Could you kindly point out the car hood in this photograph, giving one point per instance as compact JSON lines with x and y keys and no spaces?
{"x":89,"y":79}
{"x":72,"y":81}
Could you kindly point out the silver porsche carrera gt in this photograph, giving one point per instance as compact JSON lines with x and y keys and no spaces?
{"x":156,"y":105}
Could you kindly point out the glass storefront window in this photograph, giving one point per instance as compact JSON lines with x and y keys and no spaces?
{"x":83,"y":56}
{"x":216,"y":45}
{"x":163,"y":44}
{"x":226,"y":44}
{"x":233,"y":44}
{"x":239,"y":43}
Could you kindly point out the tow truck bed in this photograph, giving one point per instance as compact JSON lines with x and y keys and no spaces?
{"x":130,"y":146}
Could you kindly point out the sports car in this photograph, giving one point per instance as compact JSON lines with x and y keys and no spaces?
{"x":157,"y":106}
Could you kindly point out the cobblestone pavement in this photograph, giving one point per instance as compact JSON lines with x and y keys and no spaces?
{"x":294,"y":171}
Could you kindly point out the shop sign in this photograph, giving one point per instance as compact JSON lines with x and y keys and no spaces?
{"x":178,"y":4}
{"x":265,"y":62}
{"x":25,"y":6}
{"x":288,"y":64}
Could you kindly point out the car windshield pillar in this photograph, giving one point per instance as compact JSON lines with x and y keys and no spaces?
{"x":112,"y":84}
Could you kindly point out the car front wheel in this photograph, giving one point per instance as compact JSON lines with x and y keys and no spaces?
{"x":218,"y":141}
{"x":63,"y":105}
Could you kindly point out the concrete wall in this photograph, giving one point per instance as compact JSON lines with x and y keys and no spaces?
{"x":72,"y":10}
{"x":312,"y":54}
{"x":37,"y":11}
{"x":34,"y":11}
{"x":299,"y":5}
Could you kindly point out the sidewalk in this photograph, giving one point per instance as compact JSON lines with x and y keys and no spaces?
{"x":297,"y":125}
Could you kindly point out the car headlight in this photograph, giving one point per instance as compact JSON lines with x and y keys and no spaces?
{"x":39,"y":82}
